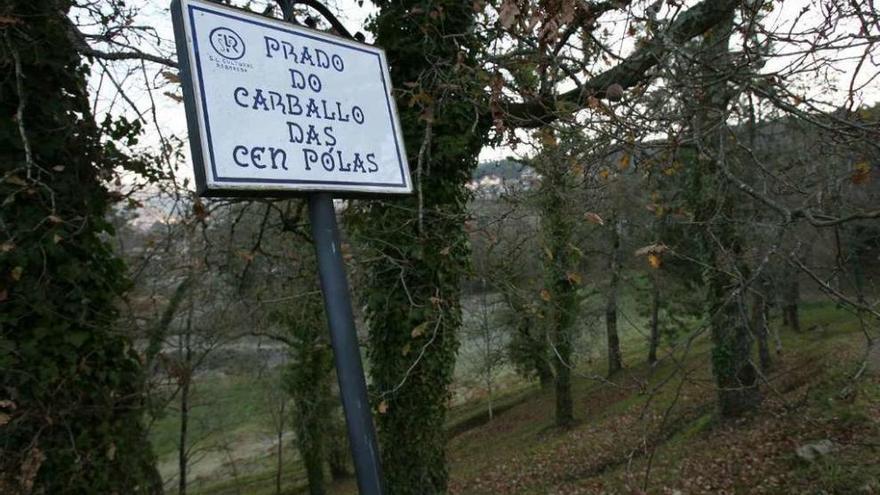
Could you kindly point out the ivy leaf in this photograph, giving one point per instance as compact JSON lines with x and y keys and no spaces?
{"x":77,"y":339}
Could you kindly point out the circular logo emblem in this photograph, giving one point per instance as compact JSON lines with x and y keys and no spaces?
{"x":227,"y":43}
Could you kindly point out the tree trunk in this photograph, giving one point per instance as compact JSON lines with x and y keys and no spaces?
{"x":337,"y":457}
{"x":488,"y":364}
{"x":736,"y":377}
{"x":314,"y":464}
{"x":181,"y":445}
{"x":615,"y":361}
{"x":789,"y":290}
{"x":185,"y":371}
{"x":308,"y":381}
{"x":488,"y":375}
{"x":761,"y":330}
{"x":791,"y":299}
{"x":564,"y":402}
{"x":545,"y":374}
{"x":562,"y":316}
{"x":534,"y":345}
{"x":562,"y":364}
{"x":73,"y":373}
{"x":655,"y":321}
{"x":557,"y":230}
{"x":280,"y":450}
{"x":417,"y":247}
{"x":715,"y":214}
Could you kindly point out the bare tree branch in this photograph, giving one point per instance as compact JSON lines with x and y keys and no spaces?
{"x":633,"y":70}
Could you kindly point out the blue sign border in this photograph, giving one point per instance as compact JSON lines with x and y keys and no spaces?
{"x":217,"y":178}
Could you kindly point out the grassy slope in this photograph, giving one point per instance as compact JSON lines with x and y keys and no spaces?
{"x":656,"y":430}
{"x":632,"y":424}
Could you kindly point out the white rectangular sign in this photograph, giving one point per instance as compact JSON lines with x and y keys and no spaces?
{"x":274,"y":108}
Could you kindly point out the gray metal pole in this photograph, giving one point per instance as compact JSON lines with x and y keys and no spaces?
{"x":346,"y":353}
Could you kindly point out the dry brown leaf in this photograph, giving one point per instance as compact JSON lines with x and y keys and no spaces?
{"x":29,"y":469}
{"x":593,"y":218}
{"x":545,"y":295}
{"x":861,"y":173}
{"x":171,"y":76}
{"x":658,"y":248}
{"x":419,"y":330}
{"x":508,"y":13}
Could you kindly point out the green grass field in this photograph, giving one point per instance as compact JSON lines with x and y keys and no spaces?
{"x":649,"y":430}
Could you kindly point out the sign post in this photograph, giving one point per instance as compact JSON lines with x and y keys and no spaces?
{"x":278,"y":110}
{"x":346,"y":353}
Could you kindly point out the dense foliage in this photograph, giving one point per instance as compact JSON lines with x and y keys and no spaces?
{"x":71,"y":381}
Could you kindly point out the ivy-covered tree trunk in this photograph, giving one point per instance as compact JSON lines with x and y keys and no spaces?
{"x":416,"y":246}
{"x":715,"y":214}
{"x":528,"y":348}
{"x":761,"y":329}
{"x":308,"y":381}
{"x":560,"y":296}
{"x":70,"y":383}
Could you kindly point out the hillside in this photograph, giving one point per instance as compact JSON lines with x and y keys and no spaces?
{"x":656,"y":430}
